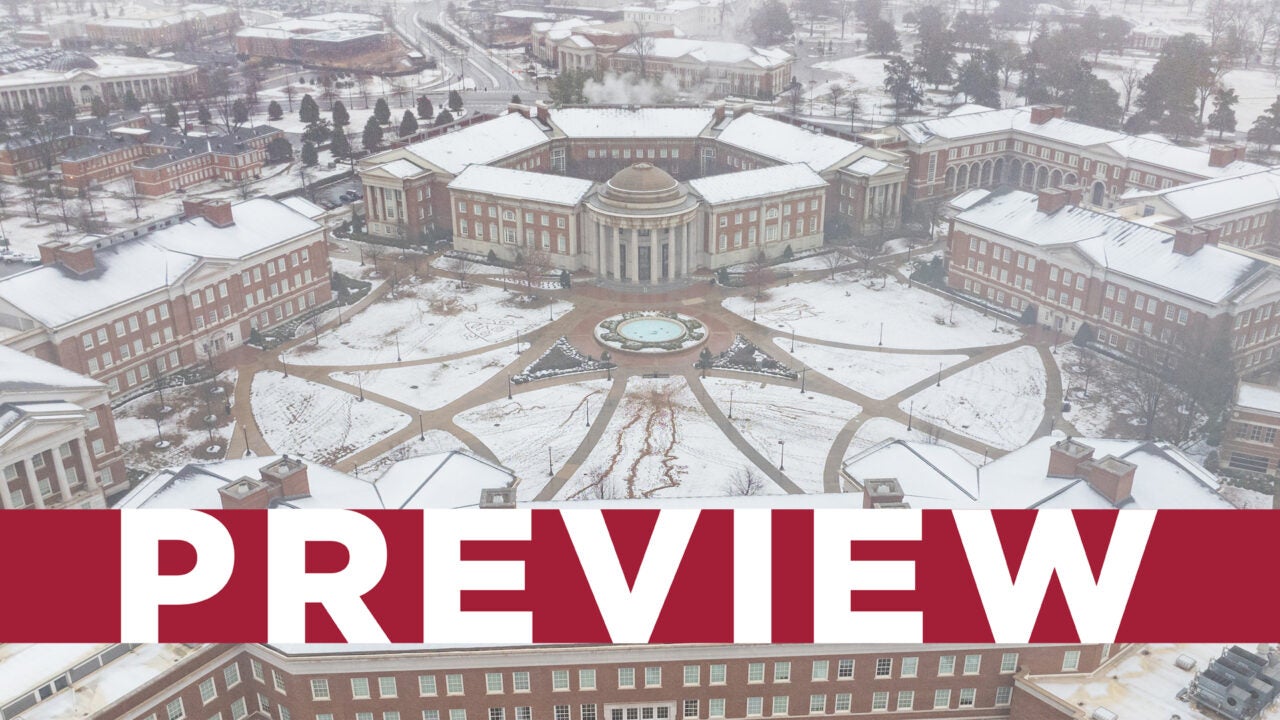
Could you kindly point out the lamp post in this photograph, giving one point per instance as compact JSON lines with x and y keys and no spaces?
{"x":422,"y":431}
{"x":397,"y":336}
{"x":911,"y":411}
{"x":782,"y":458}
{"x":508,"y":387}
{"x":802,"y":372}
{"x":284,"y":365}
{"x":880,"y":342}
{"x":754,"y":302}
{"x":730,"y":403}
{"x":550,"y":467}
{"x":939,"y":383}
{"x":159,"y":435}
{"x":360,"y":385}
{"x":517,"y":342}
{"x":551,"y":310}
{"x":793,"y":338}
{"x":586,"y":411}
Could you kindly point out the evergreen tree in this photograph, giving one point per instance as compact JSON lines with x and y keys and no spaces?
{"x":317,"y":132}
{"x":408,"y":124}
{"x":1167,"y":96}
{"x":1266,"y":129}
{"x":371,"y":138}
{"x":934,"y":55}
{"x":308,"y":111}
{"x":274,"y":111}
{"x":171,"y":118}
{"x":515,"y":99}
{"x":1223,"y":117}
{"x":882,"y":38}
{"x":771,"y":23}
{"x":239,"y":112}
{"x":567,"y":88}
{"x":341,"y":118}
{"x":279,"y":150}
{"x":203,"y":116}
{"x":979,"y":83}
{"x":425,"y":110}
{"x":455,"y":101}
{"x":1095,"y":102}
{"x":444,"y":118}
{"x":867,"y":11}
{"x":900,"y":83}
{"x":130,"y":101}
{"x":99,"y":107}
{"x":382,"y":112}
{"x":339,"y":145}
{"x":309,"y":155}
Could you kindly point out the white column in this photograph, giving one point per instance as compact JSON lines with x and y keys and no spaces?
{"x":86,"y":467}
{"x":633,"y":256}
{"x":615,"y":256}
{"x":7,"y":504}
{"x":655,"y":256}
{"x":671,"y":253}
{"x":60,"y":472}
{"x":32,"y":485}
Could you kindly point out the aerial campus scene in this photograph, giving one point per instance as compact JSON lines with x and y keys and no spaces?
{"x":657,"y":254}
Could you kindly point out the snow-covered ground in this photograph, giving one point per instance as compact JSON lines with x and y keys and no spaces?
{"x":431,"y":441}
{"x":875,"y":374}
{"x":877,"y":429}
{"x":519,"y":431}
{"x":183,"y":426}
{"x":428,"y":387}
{"x":1093,"y":414}
{"x":432,"y":319}
{"x":999,"y":402}
{"x":1246,"y":498}
{"x":853,"y":311}
{"x":808,"y":423}
{"x":659,"y":443}
{"x":320,"y":423}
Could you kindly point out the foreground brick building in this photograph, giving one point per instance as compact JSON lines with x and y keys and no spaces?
{"x":125,"y":310}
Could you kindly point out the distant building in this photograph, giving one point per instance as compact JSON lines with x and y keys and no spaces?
{"x":58,"y":444}
{"x":1249,"y":442}
{"x":717,"y":67}
{"x":1243,"y":208}
{"x":714,"y":188}
{"x":126,"y":309}
{"x":1148,"y":38}
{"x":1080,"y":473}
{"x":80,"y":78}
{"x":317,"y":38}
{"x":1036,"y":147}
{"x":693,"y":18}
{"x":188,"y":24}
{"x":1143,"y":291}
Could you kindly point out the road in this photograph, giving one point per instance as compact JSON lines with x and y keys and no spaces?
{"x":484,"y":71}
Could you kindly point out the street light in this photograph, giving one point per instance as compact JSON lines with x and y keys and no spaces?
{"x":285,"y":365}
{"x":802,"y":372}
{"x":422,"y":431}
{"x":397,"y":336}
{"x":793,"y":338}
{"x":360,"y":385}
{"x":880,"y":343}
{"x":551,"y":310}
{"x":586,"y":411}
{"x":939,"y":384}
{"x":730,"y":403}
{"x":551,"y":470}
{"x":782,"y":459}
{"x":911,"y":411}
{"x":508,"y":387}
{"x":754,"y":302}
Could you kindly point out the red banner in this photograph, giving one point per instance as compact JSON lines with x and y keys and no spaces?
{"x":569,"y":576}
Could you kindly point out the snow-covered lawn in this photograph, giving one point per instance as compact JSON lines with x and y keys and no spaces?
{"x":1246,"y":499}
{"x":432,"y":319}
{"x":999,"y":402}
{"x":874,"y":374}
{"x":881,"y":428}
{"x":432,"y":441}
{"x":320,"y":423}
{"x":1094,"y":413}
{"x":519,"y":431}
{"x":660,"y":443}
{"x":808,"y":423}
{"x":184,"y":425}
{"x":852,"y":311}
{"x":428,"y":387}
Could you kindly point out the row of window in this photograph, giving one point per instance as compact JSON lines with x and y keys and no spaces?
{"x":509,"y":215}
{"x":640,"y":153}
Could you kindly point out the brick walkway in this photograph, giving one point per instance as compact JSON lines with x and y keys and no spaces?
{"x":593,"y":302}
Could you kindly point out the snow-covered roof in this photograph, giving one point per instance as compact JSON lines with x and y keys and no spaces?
{"x":23,"y":666}
{"x":1252,"y":396}
{"x":22,"y":372}
{"x":303,"y":206}
{"x":645,"y":122}
{"x":109,"y":67}
{"x":1113,"y":244}
{"x":433,"y":481}
{"x":480,"y":143}
{"x":869,"y":166}
{"x":968,"y":198}
{"x":540,"y":187}
{"x":401,"y":168}
{"x":734,"y":186}
{"x":711,"y":52}
{"x":935,"y":476}
{"x":54,"y":297}
{"x":785,"y":142}
{"x":1218,"y":196}
{"x":1192,"y":161}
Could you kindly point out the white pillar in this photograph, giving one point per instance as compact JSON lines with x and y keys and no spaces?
{"x":32,"y":485}
{"x":655,"y":256}
{"x":60,"y":472}
{"x":86,"y":467}
{"x":6,"y":502}
{"x":615,"y":256}
{"x":671,"y":254}
{"x":633,"y":256}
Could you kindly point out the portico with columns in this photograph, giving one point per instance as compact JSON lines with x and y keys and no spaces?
{"x":45,"y":459}
{"x":641,"y":227}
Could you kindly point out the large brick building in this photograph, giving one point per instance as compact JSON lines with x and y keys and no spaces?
{"x":80,"y":78}
{"x":126,"y":309}
{"x":1035,"y":147}
{"x":1142,"y":290}
{"x":1250,"y":443}
{"x":571,"y":167}
{"x":188,"y":24}
{"x":1242,"y":208}
{"x":58,"y":444}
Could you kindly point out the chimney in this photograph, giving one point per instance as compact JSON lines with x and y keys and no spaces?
{"x":245,"y":494}
{"x":287,"y":478}
{"x":1041,"y":114}
{"x":1189,"y":240}
{"x":1052,"y":200}
{"x":216,"y":212}
{"x":882,"y":492}
{"x":1221,"y":155}
{"x":743,"y":109}
{"x":49,"y":251}
{"x":1075,"y":196}
{"x":1065,"y":457}
{"x":543,"y":111}
{"x":498,"y":498}
{"x":1112,"y":477}
{"x":78,"y":259}
{"x":717,"y":112}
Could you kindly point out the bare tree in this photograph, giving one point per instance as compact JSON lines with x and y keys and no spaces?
{"x":643,"y":46}
{"x":462,"y":267}
{"x":834,"y":93}
{"x":759,"y":274}
{"x":1129,"y":81}
{"x":834,"y":259}
{"x":744,"y":481}
{"x":532,"y":266}
{"x":134,"y":198}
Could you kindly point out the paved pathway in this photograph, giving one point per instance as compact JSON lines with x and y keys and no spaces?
{"x":594,"y":301}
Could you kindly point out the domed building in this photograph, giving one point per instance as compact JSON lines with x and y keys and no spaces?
{"x":640,"y":226}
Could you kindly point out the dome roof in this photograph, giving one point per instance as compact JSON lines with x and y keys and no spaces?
{"x":72,"y":61}
{"x":642,"y":183}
